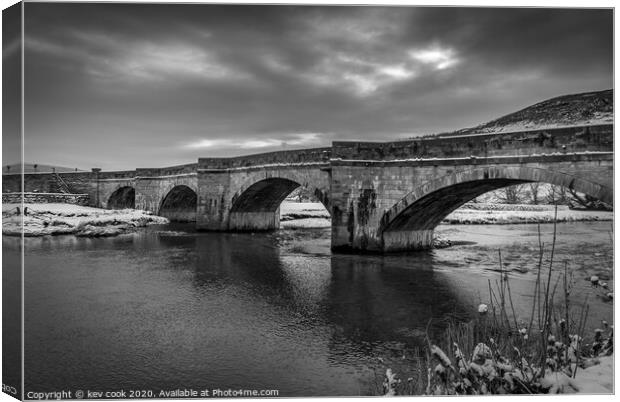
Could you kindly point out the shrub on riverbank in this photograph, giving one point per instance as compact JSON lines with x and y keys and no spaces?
{"x":490,"y":356}
{"x":485,"y":359}
{"x":499,"y":353}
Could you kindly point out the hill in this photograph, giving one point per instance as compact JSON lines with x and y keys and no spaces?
{"x":568,"y":110}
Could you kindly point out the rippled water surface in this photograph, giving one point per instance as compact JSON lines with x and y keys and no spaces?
{"x":168,"y":307}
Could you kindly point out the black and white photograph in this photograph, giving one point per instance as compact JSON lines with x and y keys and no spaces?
{"x":232,"y":200}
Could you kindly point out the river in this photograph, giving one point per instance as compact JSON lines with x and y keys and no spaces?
{"x":168,"y":307}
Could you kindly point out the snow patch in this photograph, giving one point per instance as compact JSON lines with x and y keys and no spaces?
{"x":55,"y":219}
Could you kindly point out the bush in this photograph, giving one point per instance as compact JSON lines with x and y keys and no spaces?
{"x":497,"y":354}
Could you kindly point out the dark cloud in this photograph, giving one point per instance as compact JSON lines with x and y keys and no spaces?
{"x":11,"y":86}
{"x":559,"y":39}
{"x":128,"y":85}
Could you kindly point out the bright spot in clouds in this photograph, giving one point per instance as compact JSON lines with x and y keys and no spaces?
{"x":361,"y":76}
{"x":398,"y":71}
{"x":301,"y":139}
{"x":436,"y":56}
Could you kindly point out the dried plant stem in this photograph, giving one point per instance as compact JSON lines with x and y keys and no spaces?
{"x":537,"y":292}
{"x":548,"y":302}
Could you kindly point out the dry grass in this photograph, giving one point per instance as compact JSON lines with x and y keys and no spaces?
{"x":500,"y":353}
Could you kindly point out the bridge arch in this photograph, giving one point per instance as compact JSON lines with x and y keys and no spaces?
{"x":179,"y":204}
{"x":122,"y":197}
{"x":410,"y":222}
{"x":269,"y":189}
{"x":267,"y":194}
{"x":262,"y":196}
{"x":255,"y":205}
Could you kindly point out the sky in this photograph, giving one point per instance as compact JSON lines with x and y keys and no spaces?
{"x":122,"y":86}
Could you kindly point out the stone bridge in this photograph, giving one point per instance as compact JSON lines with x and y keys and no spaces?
{"x":382,"y":196}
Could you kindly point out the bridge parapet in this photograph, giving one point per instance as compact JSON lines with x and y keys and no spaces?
{"x":187,"y":168}
{"x":594,"y":138}
{"x":301,"y":156}
{"x":119,"y":174}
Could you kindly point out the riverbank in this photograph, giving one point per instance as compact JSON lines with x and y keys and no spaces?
{"x":296,"y":215}
{"x":303,"y":215}
{"x":505,"y":214}
{"x":56,"y":219}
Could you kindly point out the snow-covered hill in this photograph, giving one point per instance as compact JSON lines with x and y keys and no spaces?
{"x":568,"y":110}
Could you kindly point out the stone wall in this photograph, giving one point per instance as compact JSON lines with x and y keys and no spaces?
{"x":595,"y":138}
{"x":117,"y":174}
{"x":78,"y":183}
{"x":45,"y":198}
{"x":189,"y":168}
{"x":11,"y":183}
{"x":300,"y":156}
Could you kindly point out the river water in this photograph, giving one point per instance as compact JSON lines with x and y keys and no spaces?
{"x":168,"y":307}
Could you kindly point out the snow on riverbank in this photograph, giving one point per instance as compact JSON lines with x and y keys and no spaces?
{"x":298,"y":215}
{"x":54,"y":219}
{"x":51,"y":219}
{"x":289,"y":210}
{"x":314,"y":215}
{"x":306,"y":223}
{"x":597,"y":379}
{"x":502,"y":217}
